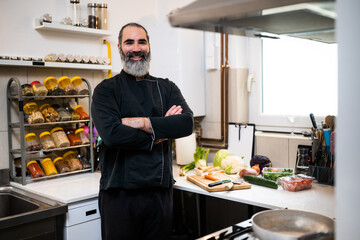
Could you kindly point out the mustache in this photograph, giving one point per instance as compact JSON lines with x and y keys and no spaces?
{"x":136,"y":54}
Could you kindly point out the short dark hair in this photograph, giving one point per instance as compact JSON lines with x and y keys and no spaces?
{"x":132,"y":24}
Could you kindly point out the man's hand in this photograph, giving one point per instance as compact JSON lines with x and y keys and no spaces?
{"x":174,"y":110}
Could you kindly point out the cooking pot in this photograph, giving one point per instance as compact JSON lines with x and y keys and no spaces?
{"x":292,"y":225}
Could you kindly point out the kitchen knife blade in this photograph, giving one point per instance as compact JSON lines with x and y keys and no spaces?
{"x":219,"y":182}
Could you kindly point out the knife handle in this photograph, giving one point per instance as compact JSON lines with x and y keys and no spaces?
{"x":215,"y":183}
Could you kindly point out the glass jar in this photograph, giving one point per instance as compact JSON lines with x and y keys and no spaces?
{"x":49,"y":113}
{"x":46,"y":141}
{"x":65,"y":84}
{"x":71,"y":159}
{"x":103,"y":16}
{"x":80,"y":86}
{"x":27,"y":90}
{"x":34,"y":169}
{"x":73,"y":138}
{"x":40,"y":91}
{"x":48,"y":167}
{"x":93,"y":15}
{"x":64,"y":114}
{"x":75,"y":9}
{"x":82,"y":135}
{"x":59,"y":137}
{"x":33,"y":115}
{"x":32,"y":142}
{"x":80,"y":110}
{"x":52,"y":87}
{"x":61,"y":165}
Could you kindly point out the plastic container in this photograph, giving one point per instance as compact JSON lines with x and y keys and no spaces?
{"x":274,"y":174}
{"x":61,"y":165}
{"x":73,"y":162}
{"x":296,"y":183}
{"x":32,"y":142}
{"x":80,"y":86}
{"x":75,"y":9}
{"x":93,"y":15}
{"x":52,"y":87}
{"x":73,"y":138}
{"x":80,"y":110}
{"x":48,"y":166}
{"x":64,"y":114}
{"x":49,"y":113}
{"x":65,"y":84}
{"x":34,"y":169}
{"x":82,"y":135}
{"x":46,"y":141}
{"x":59,"y":137}
{"x":103,"y":21}
{"x":33,"y":115}
{"x":40,"y":91}
{"x":27,"y":90}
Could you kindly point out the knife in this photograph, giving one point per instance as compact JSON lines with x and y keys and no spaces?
{"x":313,"y":121}
{"x":219,"y":182}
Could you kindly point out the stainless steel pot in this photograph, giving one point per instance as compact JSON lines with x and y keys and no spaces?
{"x":292,"y":225}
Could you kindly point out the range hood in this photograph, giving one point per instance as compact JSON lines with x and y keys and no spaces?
{"x":309,"y":19}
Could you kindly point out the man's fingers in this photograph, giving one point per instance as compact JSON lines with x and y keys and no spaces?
{"x":174,"y":110}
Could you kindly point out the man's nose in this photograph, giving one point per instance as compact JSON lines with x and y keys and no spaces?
{"x":136,"y":47}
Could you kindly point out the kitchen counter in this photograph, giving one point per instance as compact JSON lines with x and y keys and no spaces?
{"x":320,"y":198}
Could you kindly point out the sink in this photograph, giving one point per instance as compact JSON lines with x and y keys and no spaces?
{"x":12,"y":205}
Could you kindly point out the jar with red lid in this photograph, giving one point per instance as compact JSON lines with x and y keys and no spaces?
{"x":73,"y":162}
{"x":34,"y":169}
{"x":61,"y":165}
{"x":80,"y":110}
{"x":40,"y":91}
{"x":73,"y":138}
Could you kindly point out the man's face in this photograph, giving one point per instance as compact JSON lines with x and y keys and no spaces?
{"x":135,"y":51}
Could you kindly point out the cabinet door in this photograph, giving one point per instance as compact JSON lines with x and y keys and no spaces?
{"x":90,"y":230}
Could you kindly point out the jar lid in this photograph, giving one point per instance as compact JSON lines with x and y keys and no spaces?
{"x":46,"y":105}
{"x":78,"y":107}
{"x":56,"y":129}
{"x":57,"y":159}
{"x":25,"y":85}
{"x":74,"y":1}
{"x":34,"y":83}
{"x":63,"y":81}
{"x":102,"y":5}
{"x":45,"y":160}
{"x":76,"y":81}
{"x":30,"y":162}
{"x":93,"y":5}
{"x":44,"y":134}
{"x":69,"y":154}
{"x":50,"y":83}
{"x":79,"y":130}
{"x":30,"y":107}
{"x":28,"y":137}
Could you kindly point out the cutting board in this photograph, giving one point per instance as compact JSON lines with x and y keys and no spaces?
{"x":203,"y":182}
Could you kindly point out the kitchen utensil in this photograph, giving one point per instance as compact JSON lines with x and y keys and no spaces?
{"x":312,"y":118}
{"x":219,"y":182}
{"x":292,"y":225}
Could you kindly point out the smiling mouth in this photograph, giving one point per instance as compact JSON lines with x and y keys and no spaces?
{"x":136,"y":58}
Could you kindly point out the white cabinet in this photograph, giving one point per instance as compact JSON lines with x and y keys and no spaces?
{"x":83,"y":221}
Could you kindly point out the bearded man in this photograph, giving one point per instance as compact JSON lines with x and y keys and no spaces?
{"x":137,"y":117}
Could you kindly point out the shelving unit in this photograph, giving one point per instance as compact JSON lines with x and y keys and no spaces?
{"x":23,"y":127}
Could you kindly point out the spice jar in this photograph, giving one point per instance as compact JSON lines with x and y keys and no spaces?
{"x":73,"y":138}
{"x":103,"y":16}
{"x":59,"y":137}
{"x":49,"y":113}
{"x":80,"y":110}
{"x":65,"y":84}
{"x":73,"y":162}
{"x":40,"y":91}
{"x":64,"y":114}
{"x":75,"y":7}
{"x":80,"y":86}
{"x":61,"y":165}
{"x":93,"y":15}
{"x":34,"y":116}
{"x":82,"y":135}
{"x":32,"y":142}
{"x":34,"y":169}
{"x":52,"y":87}
{"x":48,"y":167}
{"x":27,"y":90}
{"x":46,"y":141}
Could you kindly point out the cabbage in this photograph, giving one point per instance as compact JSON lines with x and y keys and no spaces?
{"x":219,"y":156}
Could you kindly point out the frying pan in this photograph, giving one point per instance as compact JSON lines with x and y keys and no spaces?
{"x":292,"y":225}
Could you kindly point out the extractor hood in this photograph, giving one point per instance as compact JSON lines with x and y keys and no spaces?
{"x":309,"y":19}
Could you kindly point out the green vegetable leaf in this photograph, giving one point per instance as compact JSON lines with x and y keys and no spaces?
{"x":228,"y":169}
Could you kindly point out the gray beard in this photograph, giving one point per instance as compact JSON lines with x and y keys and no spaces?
{"x":137,"y":68}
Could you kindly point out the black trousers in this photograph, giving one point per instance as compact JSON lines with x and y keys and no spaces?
{"x":136,"y":214}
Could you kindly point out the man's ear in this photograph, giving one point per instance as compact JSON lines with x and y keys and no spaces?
{"x":118,"y":47}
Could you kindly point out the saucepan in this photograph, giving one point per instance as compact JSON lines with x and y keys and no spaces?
{"x":292,"y":225}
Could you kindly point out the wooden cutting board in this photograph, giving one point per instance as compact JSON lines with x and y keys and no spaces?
{"x":203,"y":182}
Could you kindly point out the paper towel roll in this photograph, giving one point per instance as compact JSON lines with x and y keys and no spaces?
{"x":185,"y":149}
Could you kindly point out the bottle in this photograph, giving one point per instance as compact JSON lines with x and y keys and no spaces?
{"x":75,"y":8}
{"x":103,"y":16}
{"x":93,"y":15}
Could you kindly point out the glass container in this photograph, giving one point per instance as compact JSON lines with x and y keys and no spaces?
{"x":33,"y":115}
{"x":40,"y":91}
{"x":80,"y":110}
{"x":71,"y":159}
{"x":59,"y":137}
{"x":80,"y":86}
{"x":32,"y":142}
{"x":27,"y":90}
{"x":46,"y":141}
{"x":73,"y":138}
{"x":103,"y":21}
{"x":93,"y":15}
{"x":34,"y":169}
{"x":48,"y":166}
{"x":75,"y":9}
{"x":64,"y":114}
{"x":49,"y":113}
{"x":82,"y":135}
{"x":52,"y":87}
{"x":65,"y":84}
{"x":61,"y":165}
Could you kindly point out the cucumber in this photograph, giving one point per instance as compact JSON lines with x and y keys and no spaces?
{"x":261,"y":181}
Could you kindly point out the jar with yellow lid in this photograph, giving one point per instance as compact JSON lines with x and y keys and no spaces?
{"x":46,"y":141}
{"x":59,"y":137}
{"x":82,"y":135}
{"x":48,"y":167}
{"x":49,"y":113}
{"x":33,"y":115}
{"x":61,"y":165}
{"x":73,"y":138}
{"x":40,"y":91}
{"x":73,"y":162}
{"x":80,"y":110}
{"x":32,"y":142}
{"x":34,"y":169}
{"x":65,"y":84}
{"x":52,"y":87}
{"x":80,"y":86}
